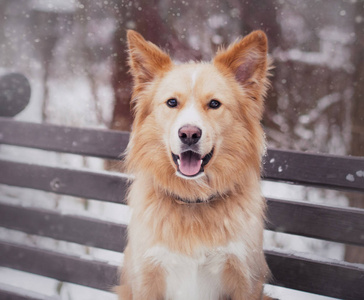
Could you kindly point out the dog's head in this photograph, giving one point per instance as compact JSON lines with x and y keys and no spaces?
{"x":197,"y":125}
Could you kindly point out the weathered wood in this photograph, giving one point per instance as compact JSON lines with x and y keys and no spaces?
{"x":91,"y":142}
{"x":7,"y":295}
{"x":337,"y":224}
{"x":328,"y":171}
{"x":329,"y":278}
{"x":86,"y":184}
{"x":305,"y":219}
{"x":319,"y":170}
{"x":14,"y":94}
{"x":76,"y":229}
{"x":91,"y":273}
{"x":11,"y":293}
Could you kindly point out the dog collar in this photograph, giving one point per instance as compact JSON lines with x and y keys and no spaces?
{"x":213,"y":197}
{"x":180,"y":200}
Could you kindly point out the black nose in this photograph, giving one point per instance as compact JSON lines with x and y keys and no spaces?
{"x":189,"y":134}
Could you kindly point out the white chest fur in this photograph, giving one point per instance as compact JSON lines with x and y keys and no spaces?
{"x":197,"y":277}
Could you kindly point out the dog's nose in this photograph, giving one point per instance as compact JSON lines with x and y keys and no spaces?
{"x":189,"y":134}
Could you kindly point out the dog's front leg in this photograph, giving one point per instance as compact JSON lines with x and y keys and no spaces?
{"x":149,"y":284}
{"x":124,"y":289}
{"x":238,"y":282}
{"x":140,"y":279}
{"x":145,"y":280}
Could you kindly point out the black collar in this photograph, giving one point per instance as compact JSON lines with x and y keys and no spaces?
{"x":180,"y":200}
{"x":187,"y":201}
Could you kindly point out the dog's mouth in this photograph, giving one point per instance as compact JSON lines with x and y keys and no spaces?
{"x":190,"y":163}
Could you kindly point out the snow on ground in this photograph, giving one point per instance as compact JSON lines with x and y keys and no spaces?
{"x":50,"y":287}
{"x":288,"y":294}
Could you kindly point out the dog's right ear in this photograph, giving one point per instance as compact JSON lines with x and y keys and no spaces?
{"x":247,"y":60}
{"x":146,"y":60}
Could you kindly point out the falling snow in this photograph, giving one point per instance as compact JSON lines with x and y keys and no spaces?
{"x":69,"y":49}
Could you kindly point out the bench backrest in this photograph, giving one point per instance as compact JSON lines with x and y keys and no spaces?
{"x":316,"y":275}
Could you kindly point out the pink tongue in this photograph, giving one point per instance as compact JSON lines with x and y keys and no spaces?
{"x":190,"y":163}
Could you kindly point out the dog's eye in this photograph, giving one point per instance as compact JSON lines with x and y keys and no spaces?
{"x":214,"y":104}
{"x":172,"y":102}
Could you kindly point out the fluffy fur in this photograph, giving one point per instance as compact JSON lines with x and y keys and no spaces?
{"x":197,"y":238}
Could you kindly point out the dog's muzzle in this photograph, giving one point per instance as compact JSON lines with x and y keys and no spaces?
{"x":190,"y":163}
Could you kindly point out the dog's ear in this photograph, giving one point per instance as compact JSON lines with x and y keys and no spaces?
{"x":146,"y":60}
{"x":247,"y":60}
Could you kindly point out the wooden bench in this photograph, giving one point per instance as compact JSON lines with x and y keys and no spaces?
{"x":337,"y":279}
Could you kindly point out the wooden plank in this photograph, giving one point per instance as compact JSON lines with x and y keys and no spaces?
{"x":7,"y":295}
{"x":15,"y":293}
{"x":86,"y":184}
{"x":328,"y":171}
{"x":329,"y":278}
{"x":341,"y":225}
{"x":337,"y":224}
{"x":67,"y":268}
{"x":76,"y":229}
{"x":91,"y":142}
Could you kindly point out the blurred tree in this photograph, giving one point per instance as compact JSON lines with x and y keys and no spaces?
{"x":83,"y":16}
{"x":47,"y":33}
{"x":353,"y":253}
{"x":264,"y":18}
{"x":145,"y":17}
{"x":312,"y":78}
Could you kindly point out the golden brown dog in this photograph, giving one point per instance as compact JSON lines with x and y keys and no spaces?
{"x":195,"y":150}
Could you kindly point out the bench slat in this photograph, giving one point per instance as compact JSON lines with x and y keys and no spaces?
{"x":288,"y":270}
{"x":91,"y":273}
{"x":336,"y":224}
{"x":320,"y":170}
{"x":305,"y":219}
{"x":6,"y":295}
{"x":330,"y":278}
{"x":327,"y":171}
{"x":15,"y":293}
{"x":84,"y":184}
{"x":76,"y":229}
{"x":91,"y":142}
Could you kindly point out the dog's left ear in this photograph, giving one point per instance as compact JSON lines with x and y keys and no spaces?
{"x":146,"y":60}
{"x":247,"y":60}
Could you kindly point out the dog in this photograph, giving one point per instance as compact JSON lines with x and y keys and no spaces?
{"x":195,"y":153}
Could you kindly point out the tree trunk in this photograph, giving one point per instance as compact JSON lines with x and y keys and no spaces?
{"x":151,"y":25}
{"x":353,"y":253}
{"x":122,"y":84}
